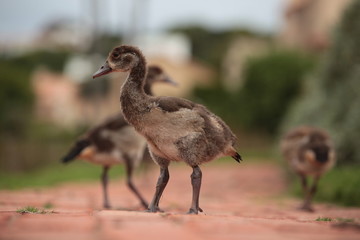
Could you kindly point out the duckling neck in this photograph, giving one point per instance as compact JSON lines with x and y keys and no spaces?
{"x":147,"y":89}
{"x":133,"y":99}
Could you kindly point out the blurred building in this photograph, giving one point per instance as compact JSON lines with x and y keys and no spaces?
{"x":175,"y":47}
{"x":60,"y":98}
{"x":64,"y":33}
{"x":309,"y":24}
{"x":56,"y":98}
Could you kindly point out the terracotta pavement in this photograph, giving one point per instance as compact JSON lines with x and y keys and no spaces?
{"x":240,"y":201}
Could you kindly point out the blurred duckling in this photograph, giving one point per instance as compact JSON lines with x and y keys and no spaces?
{"x":309,"y":152}
{"x":116,"y":142}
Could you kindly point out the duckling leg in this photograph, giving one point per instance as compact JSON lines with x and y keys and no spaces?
{"x":304,"y":184}
{"x":104,"y":182}
{"x":310,"y":194}
{"x":129,"y":172}
{"x":160,"y":186}
{"x":196,"y":184}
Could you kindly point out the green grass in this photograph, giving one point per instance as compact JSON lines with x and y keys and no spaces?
{"x":339,"y":186}
{"x":81,"y":171}
{"x":55,"y":174}
{"x":31,"y":209}
{"x":323,"y":219}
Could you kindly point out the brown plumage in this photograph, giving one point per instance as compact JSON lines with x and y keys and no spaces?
{"x":176,"y":129}
{"x":309,"y":152}
{"x":116,"y":142}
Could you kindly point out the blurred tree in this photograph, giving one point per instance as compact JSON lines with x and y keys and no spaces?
{"x":331,"y":99}
{"x":16,"y":95}
{"x":271,"y":83}
{"x":104,"y":43}
{"x":210,"y":46}
{"x":96,"y":88}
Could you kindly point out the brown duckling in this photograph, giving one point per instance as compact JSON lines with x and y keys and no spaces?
{"x":176,"y":129}
{"x":309,"y":151}
{"x":116,"y":142}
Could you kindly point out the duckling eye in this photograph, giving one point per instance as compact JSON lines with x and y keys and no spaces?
{"x":116,"y":55}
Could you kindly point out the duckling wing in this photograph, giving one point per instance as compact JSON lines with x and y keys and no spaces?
{"x":97,"y":136}
{"x":211,"y":124}
{"x":172,"y":104}
{"x":177,"y":126}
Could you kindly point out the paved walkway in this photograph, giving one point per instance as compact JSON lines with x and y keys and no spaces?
{"x":241,"y":201}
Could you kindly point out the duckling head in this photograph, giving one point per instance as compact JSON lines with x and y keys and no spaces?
{"x":321,"y":153}
{"x":156,"y":74}
{"x":121,"y":59}
{"x":320,"y":146}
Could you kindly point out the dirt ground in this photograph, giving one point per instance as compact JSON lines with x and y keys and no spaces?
{"x":240,"y":201}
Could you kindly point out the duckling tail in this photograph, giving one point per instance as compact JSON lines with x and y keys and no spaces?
{"x":75,"y":150}
{"x":237,"y":157}
{"x":234,"y":154}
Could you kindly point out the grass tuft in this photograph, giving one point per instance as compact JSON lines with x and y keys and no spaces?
{"x":31,"y":209}
{"x":323,"y":219}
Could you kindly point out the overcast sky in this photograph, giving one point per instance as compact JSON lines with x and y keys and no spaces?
{"x":23,"y":18}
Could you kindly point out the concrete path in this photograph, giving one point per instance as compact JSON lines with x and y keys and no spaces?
{"x":240,"y":201}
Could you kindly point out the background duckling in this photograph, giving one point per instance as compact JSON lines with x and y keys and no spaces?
{"x":309,"y":152}
{"x":176,"y":129}
{"x":115,"y":142}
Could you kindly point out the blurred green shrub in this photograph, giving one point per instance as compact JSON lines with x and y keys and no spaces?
{"x":340,"y":186}
{"x":15,"y":98}
{"x":271,"y":83}
{"x":52,"y":60}
{"x":331,"y":99}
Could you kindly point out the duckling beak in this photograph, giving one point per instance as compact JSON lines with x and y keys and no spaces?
{"x":170,"y":81}
{"x":103,"y":70}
